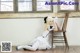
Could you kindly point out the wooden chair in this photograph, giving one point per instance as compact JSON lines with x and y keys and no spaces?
{"x":63,"y":31}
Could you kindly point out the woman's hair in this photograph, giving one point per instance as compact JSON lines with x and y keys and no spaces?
{"x":45,"y":19}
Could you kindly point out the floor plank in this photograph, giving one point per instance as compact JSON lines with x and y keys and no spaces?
{"x":72,"y":49}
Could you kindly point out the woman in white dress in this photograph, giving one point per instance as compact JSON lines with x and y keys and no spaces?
{"x":41,"y":42}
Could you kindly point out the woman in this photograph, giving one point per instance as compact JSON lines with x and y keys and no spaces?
{"x":41,"y":42}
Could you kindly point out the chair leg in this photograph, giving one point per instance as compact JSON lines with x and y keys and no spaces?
{"x":65,"y":39}
{"x":52,"y":38}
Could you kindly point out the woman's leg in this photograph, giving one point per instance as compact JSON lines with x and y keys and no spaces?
{"x":33,"y":47}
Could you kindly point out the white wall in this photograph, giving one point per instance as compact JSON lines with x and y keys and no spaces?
{"x":22,"y":31}
{"x":73,"y":31}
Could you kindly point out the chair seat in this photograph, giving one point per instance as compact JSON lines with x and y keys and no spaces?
{"x":59,"y":30}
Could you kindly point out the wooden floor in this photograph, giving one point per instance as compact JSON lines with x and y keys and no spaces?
{"x":73,"y":49}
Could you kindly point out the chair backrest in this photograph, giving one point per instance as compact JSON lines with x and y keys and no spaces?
{"x":65,"y":21}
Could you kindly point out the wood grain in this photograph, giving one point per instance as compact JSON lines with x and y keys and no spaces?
{"x":72,"y":49}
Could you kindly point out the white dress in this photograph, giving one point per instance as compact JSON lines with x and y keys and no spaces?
{"x":40,"y":43}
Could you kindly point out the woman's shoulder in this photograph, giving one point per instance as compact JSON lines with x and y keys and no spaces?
{"x":45,"y":26}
